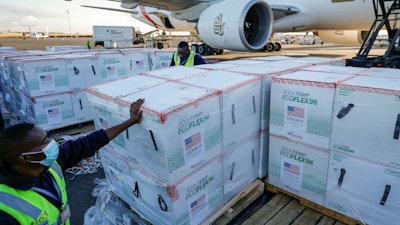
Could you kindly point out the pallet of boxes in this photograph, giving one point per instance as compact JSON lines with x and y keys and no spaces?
{"x":47,"y":87}
{"x":334,"y":141}
{"x":186,"y":158}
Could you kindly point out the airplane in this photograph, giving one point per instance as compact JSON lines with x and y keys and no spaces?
{"x":37,"y":35}
{"x":246,"y":25}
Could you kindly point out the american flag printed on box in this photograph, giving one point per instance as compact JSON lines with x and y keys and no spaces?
{"x":52,"y":112}
{"x":295,"y":111}
{"x":291,"y":168}
{"x":193,"y":140}
{"x":196,"y":205}
{"x":46,"y":77}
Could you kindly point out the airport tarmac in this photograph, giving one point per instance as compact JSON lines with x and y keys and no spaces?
{"x":80,"y":189}
{"x":325,"y":50}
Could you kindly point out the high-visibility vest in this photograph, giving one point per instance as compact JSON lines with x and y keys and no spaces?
{"x":189,"y":61}
{"x":29,"y":207}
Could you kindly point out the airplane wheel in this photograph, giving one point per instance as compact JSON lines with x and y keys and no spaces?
{"x":218,"y":51}
{"x":195,"y":48}
{"x":277,"y":47}
{"x":209,"y":50}
{"x":269,"y":47}
{"x":202,"y":49}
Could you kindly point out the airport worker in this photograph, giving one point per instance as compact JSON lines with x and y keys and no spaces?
{"x":184,"y":57}
{"x":88,"y":44}
{"x":32,"y":186}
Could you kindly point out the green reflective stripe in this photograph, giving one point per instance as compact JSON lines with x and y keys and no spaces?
{"x":177,"y":60}
{"x":190,"y":60}
{"x":20,"y":205}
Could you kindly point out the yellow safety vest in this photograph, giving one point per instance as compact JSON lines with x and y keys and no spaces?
{"x":189,"y":61}
{"x":29,"y":207}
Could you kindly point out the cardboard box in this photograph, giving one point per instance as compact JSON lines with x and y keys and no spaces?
{"x":266,"y":74}
{"x":301,"y":106}
{"x":336,"y":69}
{"x":160,"y":59}
{"x":136,"y":61}
{"x":175,"y":73}
{"x":240,"y":102}
{"x":366,"y":120}
{"x":189,"y":201}
{"x":180,"y":129}
{"x":381,"y":72}
{"x":112,"y":65}
{"x":50,"y":112}
{"x":40,"y":76}
{"x":83,"y":71}
{"x":363,"y":190}
{"x":240,"y":166}
{"x":81,"y":106}
{"x":298,"y":168}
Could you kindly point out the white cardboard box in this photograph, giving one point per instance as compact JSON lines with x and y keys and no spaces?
{"x":301,"y":106}
{"x":137,"y":61}
{"x":240,"y":98}
{"x":160,"y":59}
{"x":298,"y":168}
{"x":175,"y":72}
{"x":83,"y":71}
{"x":357,"y":188}
{"x":240,"y":166}
{"x":180,"y":129}
{"x":40,"y":76}
{"x":336,"y":69}
{"x":50,"y":111}
{"x":189,"y":201}
{"x":381,"y":72}
{"x":81,"y":106}
{"x":112,"y":65}
{"x":366,"y":120}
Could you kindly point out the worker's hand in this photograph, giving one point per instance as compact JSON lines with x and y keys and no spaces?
{"x":136,"y":112}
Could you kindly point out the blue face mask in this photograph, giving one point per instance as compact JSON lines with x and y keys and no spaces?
{"x":50,"y":151}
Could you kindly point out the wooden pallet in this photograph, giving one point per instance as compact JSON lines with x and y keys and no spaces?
{"x":288,"y":208}
{"x":74,"y":129}
{"x":236,"y":205}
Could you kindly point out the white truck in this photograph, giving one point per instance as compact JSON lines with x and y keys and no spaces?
{"x":113,"y":36}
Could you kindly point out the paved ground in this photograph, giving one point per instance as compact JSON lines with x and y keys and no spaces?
{"x":79,"y":193}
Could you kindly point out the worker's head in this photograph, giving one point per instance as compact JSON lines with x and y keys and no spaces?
{"x":26,"y":149}
{"x":183,"y":48}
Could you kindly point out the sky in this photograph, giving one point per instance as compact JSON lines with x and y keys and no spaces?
{"x":41,"y":15}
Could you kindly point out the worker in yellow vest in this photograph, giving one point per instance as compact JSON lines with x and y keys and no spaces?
{"x":32,"y":186}
{"x":184,"y":57}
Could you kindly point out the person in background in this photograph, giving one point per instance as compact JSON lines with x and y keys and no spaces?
{"x":88,"y":44}
{"x":184,"y":57}
{"x":32,"y":186}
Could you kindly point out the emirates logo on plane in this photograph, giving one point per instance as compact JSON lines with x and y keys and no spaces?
{"x":219,"y":25}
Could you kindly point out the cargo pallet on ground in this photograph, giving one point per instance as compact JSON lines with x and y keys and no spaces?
{"x":287,"y":208}
{"x":74,"y":129}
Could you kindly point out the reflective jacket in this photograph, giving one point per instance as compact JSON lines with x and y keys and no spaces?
{"x":30,"y":207}
{"x":189,"y":60}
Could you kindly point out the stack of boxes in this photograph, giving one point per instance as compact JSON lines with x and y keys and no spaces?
{"x":364,"y":177}
{"x":198,"y":144}
{"x":167,"y":167}
{"x":47,"y":88}
{"x":300,"y":131}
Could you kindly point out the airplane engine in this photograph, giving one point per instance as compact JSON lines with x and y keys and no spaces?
{"x":349,"y":37}
{"x":236,"y":25}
